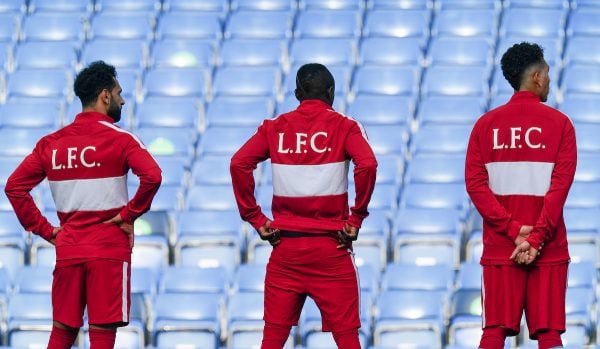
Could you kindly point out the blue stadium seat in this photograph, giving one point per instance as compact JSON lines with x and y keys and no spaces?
{"x":435,"y":168}
{"x":13,"y":6}
{"x":6,"y":49}
{"x":7,"y":166}
{"x":181,"y":53}
{"x":189,"y":25}
{"x":8,"y":26}
{"x":426,"y":236}
{"x":584,"y":4}
{"x":249,"y":278}
{"x":177,"y":279}
{"x":381,"y":110}
{"x":459,"y":51}
{"x":465,"y":318}
{"x":580,"y":79}
{"x":30,"y":113}
{"x":245,"y":81}
{"x":411,"y":277}
{"x":223,"y":140}
{"x":434,"y":195}
{"x":20,"y":142}
{"x":587,"y":137}
{"x":582,"y":219}
{"x":583,"y":194}
{"x":328,"y":24}
{"x":399,"y":5}
{"x":45,"y":55}
{"x":80,"y":6}
{"x":219,"y":6}
{"x":449,"y":110}
{"x":388,"y":139}
{"x":53,"y":26}
{"x":218,"y":228}
{"x":29,"y":309}
{"x":455,"y":81}
{"x":244,"y":313}
{"x":127,"y":5}
{"x":331,"y":4}
{"x":144,"y":284}
{"x":468,"y":4}
{"x":397,"y":23}
{"x":386,"y":80}
{"x":211,"y":197}
{"x":381,"y":51}
{"x":327,"y":51}
{"x":251,"y":52}
{"x":238,"y":111}
{"x":264,"y":5}
{"x":556,"y":4}
{"x":178,"y":112}
{"x":409,"y":317}
{"x":582,"y":50}
{"x":29,"y":338}
{"x":541,"y":22}
{"x":469,"y":276}
{"x":36,"y":279}
{"x":121,"y":26}
{"x":259,"y":25}
{"x":434,"y":138}
{"x":172,"y":312}
{"x":480,"y":23}
{"x":12,"y":258}
{"x":120,"y":53}
{"x":38,"y":83}
{"x":588,"y":168}
{"x":581,"y":108}
{"x":583,"y":22}
{"x":211,"y":170}
{"x":176,"y":82}
{"x":11,"y":232}
{"x":164,"y":141}
{"x":193,"y":339}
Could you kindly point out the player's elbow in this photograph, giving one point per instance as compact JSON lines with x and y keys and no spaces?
{"x":10,"y":189}
{"x":154,"y":176}
{"x":368,"y":164}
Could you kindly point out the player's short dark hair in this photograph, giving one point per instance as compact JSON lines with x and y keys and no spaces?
{"x":313,"y":80}
{"x":92,"y":80}
{"x":517,"y":59}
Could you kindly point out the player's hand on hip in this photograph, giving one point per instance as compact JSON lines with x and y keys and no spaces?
{"x":347,"y":235}
{"x":523,"y":234}
{"x":267,"y":234}
{"x":55,"y":231}
{"x":125,"y":227}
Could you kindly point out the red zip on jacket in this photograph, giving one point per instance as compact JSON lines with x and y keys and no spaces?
{"x":86,"y":164}
{"x":520,"y":165}
{"x":310,"y":149}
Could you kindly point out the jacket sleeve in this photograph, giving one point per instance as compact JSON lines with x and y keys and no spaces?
{"x":477,"y":183}
{"x":560,"y":183}
{"x":242,"y":165}
{"x":25,"y":177}
{"x":365,"y":172}
{"x":144,"y":166}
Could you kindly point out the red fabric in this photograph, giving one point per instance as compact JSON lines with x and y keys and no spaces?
{"x":274,"y":336}
{"x":312,"y":135}
{"x":312,"y":266}
{"x":539,"y":290}
{"x":62,"y":338}
{"x":549,"y":339}
{"x":112,"y":152}
{"x":97,"y":283}
{"x":492,"y":338}
{"x":102,"y":339}
{"x":503,"y":215}
{"x":347,"y":339}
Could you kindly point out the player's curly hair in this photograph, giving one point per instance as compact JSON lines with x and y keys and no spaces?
{"x":92,"y":80}
{"x":313,"y":80}
{"x":517,"y":59}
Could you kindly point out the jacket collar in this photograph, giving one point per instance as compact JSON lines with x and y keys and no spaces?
{"x":92,"y":116}
{"x":313,"y":104}
{"x":521,"y":96}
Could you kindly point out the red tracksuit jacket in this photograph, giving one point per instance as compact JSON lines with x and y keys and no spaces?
{"x":86,"y":164}
{"x":309,"y":149}
{"x":520,"y":165}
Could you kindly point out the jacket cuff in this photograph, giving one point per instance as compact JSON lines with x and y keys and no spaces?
{"x":355,"y":221}
{"x":513,"y":229}
{"x":47,"y":232}
{"x":535,"y":240}
{"x":259,"y":221}
{"x":126,"y":216}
